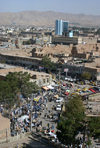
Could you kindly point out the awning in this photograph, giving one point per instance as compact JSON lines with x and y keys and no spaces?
{"x":56,"y":96}
{"x":78,"y":90}
{"x":66,"y":93}
{"x":45,"y":88}
{"x":36,"y":99}
{"x":68,"y":90}
{"x":85,"y":89}
{"x":50,"y":87}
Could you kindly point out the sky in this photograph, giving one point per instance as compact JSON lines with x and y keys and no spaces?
{"x":67,"y":6}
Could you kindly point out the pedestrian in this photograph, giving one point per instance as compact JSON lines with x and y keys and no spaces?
{"x":40,"y":123}
{"x":48,"y":125}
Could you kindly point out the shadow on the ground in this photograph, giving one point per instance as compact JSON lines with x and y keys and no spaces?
{"x":38,"y":141}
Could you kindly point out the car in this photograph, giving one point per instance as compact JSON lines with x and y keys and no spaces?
{"x":59,"y":100}
{"x":92,"y":90}
{"x":58,"y":108}
{"x":97,"y":145}
{"x":97,"y":89}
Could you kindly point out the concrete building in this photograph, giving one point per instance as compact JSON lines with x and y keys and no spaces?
{"x":20,"y":60}
{"x":78,"y":69}
{"x":65,"y":40}
{"x":71,"y":34}
{"x":40,"y":78}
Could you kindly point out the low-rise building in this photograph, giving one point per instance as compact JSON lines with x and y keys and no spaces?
{"x":20,"y":60}
{"x":66,"y":40}
{"x":40,"y":78}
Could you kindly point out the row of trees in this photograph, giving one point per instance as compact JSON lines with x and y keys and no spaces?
{"x":74,"y":121}
{"x":14,"y":85}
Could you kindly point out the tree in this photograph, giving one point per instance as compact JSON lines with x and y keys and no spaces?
{"x":94,"y":127}
{"x":48,"y":64}
{"x":6,"y":92}
{"x":74,"y":121}
{"x":71,"y":121}
{"x":86,"y":75}
{"x":21,"y":82}
{"x":15,"y":84}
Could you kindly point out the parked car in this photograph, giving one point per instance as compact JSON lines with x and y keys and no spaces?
{"x":58,"y":107}
{"x":59,"y":100}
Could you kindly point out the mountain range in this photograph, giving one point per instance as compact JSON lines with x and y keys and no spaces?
{"x":47,"y":18}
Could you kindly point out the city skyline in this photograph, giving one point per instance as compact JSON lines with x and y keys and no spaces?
{"x":69,"y":6}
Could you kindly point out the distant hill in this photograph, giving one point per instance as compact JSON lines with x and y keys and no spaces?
{"x":47,"y":18}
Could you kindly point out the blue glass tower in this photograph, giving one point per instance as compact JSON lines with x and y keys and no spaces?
{"x":59,"y":27}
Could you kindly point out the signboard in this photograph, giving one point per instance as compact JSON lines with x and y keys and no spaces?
{"x":66,"y":70}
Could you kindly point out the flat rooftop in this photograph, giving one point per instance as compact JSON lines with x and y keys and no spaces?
{"x":5,"y":66}
{"x":4,"y":72}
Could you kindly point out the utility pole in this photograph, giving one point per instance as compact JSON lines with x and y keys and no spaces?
{"x":59,"y":75}
{"x":59,"y":81}
{"x":31,"y":113}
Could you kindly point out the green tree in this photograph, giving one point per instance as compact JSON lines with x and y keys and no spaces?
{"x":94,"y":127}
{"x":71,"y":121}
{"x":14,"y":85}
{"x":21,"y":82}
{"x":86,"y":75}
{"x":48,"y":64}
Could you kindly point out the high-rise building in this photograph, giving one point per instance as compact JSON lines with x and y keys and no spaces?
{"x":61,"y":27}
{"x":58,"y":27}
{"x":65,"y":26}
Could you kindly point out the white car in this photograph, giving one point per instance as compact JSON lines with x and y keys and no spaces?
{"x":58,"y":108}
{"x":59,"y":100}
{"x":58,"y":105}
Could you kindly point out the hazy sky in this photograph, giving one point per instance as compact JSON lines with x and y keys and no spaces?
{"x":69,"y":6}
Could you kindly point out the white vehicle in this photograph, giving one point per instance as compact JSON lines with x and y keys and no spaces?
{"x":58,"y":108}
{"x":22,"y":118}
{"x":66,"y":79}
{"x":59,"y":100}
{"x":58,"y":105}
{"x":52,"y":134}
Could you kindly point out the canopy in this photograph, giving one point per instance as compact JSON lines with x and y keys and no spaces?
{"x":36,"y":99}
{"x":67,"y":90}
{"x":66,"y":93}
{"x":85,"y":89}
{"x":78,"y":90}
{"x":22,"y":118}
{"x":45,"y":88}
{"x":50,"y":87}
{"x":56,"y":96}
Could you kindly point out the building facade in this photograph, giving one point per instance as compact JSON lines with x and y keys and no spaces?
{"x":61,"y":27}
{"x":65,"y":40}
{"x":58,"y":27}
{"x":65,"y":26}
